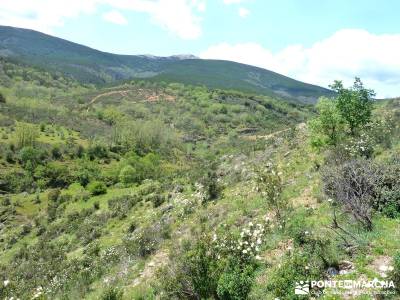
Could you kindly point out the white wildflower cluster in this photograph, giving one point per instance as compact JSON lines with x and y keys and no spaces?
{"x":246,"y":246}
{"x":110,"y":254}
{"x":184,"y":206}
{"x":38,"y":292}
{"x":361,"y":145}
{"x":251,"y":239}
{"x":57,"y":282}
{"x":269,"y":182}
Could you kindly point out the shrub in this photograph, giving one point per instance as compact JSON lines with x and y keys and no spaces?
{"x":56,"y":152}
{"x":29,"y":156}
{"x":269,"y":184}
{"x":297,"y":267}
{"x":120,"y":206}
{"x":144,"y":241}
{"x":112,"y":293}
{"x":211,"y":188}
{"x":97,"y":188}
{"x":192,"y":272}
{"x":89,"y":230}
{"x":26,"y":134}
{"x":97,"y":151}
{"x":128,"y":175}
{"x":219,"y":268}
{"x":395,"y":274}
{"x":155,"y":198}
{"x":2,"y":98}
{"x":53,"y":175}
{"x":9,"y":157}
{"x":236,"y":281}
{"x":388,"y":198}
{"x":328,"y":127}
{"x":96,"y":205}
{"x":354,"y":184}
{"x":53,"y":195}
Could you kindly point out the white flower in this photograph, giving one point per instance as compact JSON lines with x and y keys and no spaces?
{"x":6,"y":282}
{"x":244,"y":251}
{"x":258,"y":241}
{"x":306,"y":232}
{"x":258,"y":257}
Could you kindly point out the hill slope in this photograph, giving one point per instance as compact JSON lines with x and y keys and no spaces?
{"x":90,"y":65}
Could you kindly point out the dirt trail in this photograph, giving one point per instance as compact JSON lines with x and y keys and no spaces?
{"x":273,"y":134}
{"x":123,"y":93}
{"x":151,"y":97}
{"x":158,"y":260}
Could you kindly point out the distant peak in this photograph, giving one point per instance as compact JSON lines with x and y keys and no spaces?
{"x":175,"y":57}
{"x":184,"y":56}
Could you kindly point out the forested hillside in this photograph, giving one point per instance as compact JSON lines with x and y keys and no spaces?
{"x":163,"y":190}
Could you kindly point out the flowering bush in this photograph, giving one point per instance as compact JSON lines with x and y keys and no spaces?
{"x":245,"y":247}
{"x":269,"y":184}
{"x":361,"y":145}
{"x":222,"y":265}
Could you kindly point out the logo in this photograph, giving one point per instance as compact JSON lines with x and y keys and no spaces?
{"x":302,"y":288}
{"x":344,"y":287}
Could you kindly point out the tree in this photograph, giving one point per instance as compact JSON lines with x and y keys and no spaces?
{"x":26,"y":134}
{"x":328,"y":127}
{"x":354,"y":104}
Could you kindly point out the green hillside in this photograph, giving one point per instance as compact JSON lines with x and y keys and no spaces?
{"x":158,"y":190}
{"x":93,"y":66}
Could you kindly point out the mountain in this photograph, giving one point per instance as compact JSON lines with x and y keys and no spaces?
{"x":89,"y":65}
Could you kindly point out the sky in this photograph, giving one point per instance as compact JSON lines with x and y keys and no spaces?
{"x":315,"y":41}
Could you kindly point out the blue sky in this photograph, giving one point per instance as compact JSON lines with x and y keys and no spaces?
{"x":310,"y":40}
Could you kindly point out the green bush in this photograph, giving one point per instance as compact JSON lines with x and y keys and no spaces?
{"x":296,"y":267}
{"x":31,"y":156}
{"x":128,"y":175}
{"x":236,"y":281}
{"x":56,"y":152}
{"x":120,"y":206}
{"x":112,"y":293}
{"x":145,"y":240}
{"x":53,"y":195}
{"x":395,"y":274}
{"x":2,"y":98}
{"x":97,"y":188}
{"x":54,"y":175}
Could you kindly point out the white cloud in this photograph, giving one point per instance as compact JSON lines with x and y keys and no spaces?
{"x":177,"y":16}
{"x":243,"y":12}
{"x":42,"y":15}
{"x":115,"y":17}
{"x":344,"y":55}
{"x":228,"y":2}
{"x":180,"y":17}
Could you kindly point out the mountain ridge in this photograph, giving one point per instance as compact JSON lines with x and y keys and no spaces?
{"x":90,"y":65}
